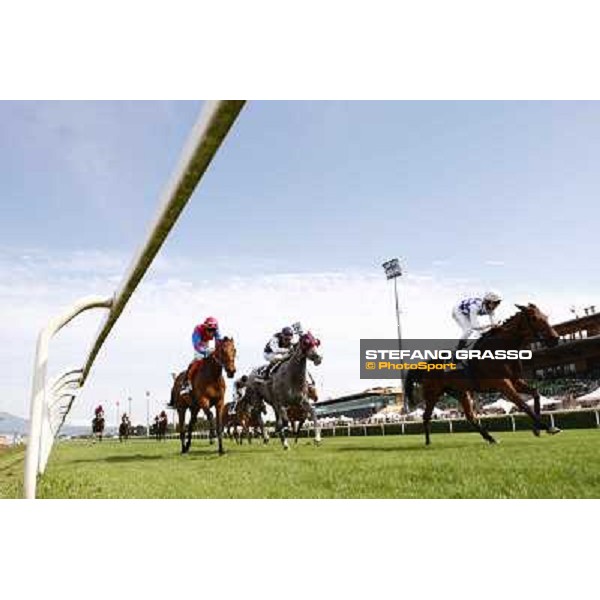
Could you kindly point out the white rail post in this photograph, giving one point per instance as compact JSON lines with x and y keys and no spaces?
{"x":38,"y":390}
{"x":206,"y":137}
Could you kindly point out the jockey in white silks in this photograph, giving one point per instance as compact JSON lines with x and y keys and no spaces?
{"x":280,"y":346}
{"x":467,"y":312}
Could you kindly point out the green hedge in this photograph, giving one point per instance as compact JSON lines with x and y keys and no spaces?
{"x":580,"y":419}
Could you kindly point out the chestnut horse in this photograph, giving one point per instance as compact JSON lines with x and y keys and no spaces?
{"x":516,"y":333}
{"x":208,"y":391}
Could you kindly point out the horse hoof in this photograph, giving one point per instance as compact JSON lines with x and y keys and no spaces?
{"x":536,"y":432}
{"x":317,"y":442}
{"x":554,"y":430}
{"x":493,"y":441}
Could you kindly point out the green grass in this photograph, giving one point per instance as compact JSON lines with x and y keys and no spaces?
{"x":454,"y":466}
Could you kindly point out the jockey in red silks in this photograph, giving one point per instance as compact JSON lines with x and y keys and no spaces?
{"x":201,"y":337}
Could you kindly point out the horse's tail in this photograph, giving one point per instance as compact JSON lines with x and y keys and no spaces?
{"x":412,"y":378}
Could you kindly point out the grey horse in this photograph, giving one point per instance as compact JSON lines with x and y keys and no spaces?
{"x":286,"y":386}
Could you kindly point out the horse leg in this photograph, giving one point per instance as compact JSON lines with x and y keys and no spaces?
{"x":430,"y":400}
{"x":511,"y":393}
{"x":284,"y":427}
{"x":280,"y":423}
{"x":263,"y":431}
{"x":524,"y":388}
{"x":313,"y":413}
{"x":181,"y":417}
{"x":465,"y":400}
{"x":220,"y":410}
{"x":191,"y":425}
{"x":211,"y":426}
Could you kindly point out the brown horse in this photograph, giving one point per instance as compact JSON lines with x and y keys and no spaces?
{"x":208,"y":391}
{"x":244,"y":418}
{"x":249,"y":411}
{"x":230,"y":421}
{"x":98,"y":427}
{"x":526,"y":326}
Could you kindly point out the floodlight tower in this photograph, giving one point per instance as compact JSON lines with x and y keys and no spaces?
{"x":393,"y":270}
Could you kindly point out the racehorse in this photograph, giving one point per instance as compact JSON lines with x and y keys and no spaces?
{"x":249,"y":412}
{"x":124,"y":430}
{"x":161,"y":426}
{"x":244,"y":418}
{"x":286,"y":385}
{"x":230,"y":421}
{"x":208,"y":390}
{"x":98,"y":427}
{"x":529,"y":324}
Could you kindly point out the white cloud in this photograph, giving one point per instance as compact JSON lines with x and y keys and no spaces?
{"x":152,"y":338}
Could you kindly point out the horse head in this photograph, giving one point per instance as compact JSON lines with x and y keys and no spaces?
{"x":224,"y":354}
{"x":309,"y":345}
{"x":534,"y":325}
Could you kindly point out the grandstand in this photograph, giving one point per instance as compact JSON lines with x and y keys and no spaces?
{"x":577,"y":354}
{"x":573,"y":366}
{"x":360,"y":405}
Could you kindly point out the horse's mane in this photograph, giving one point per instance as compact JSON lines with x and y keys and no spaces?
{"x":503,"y":324}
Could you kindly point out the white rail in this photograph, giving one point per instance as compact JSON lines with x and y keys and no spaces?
{"x":48,"y":407}
{"x":207,"y":135}
{"x":39,"y":424}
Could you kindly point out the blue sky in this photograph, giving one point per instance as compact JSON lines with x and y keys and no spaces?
{"x":327,"y":185}
{"x":469,"y":194}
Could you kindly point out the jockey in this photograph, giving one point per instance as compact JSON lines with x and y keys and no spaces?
{"x":201,"y":337}
{"x":99,"y":411}
{"x":238,"y":386}
{"x":280,"y":346}
{"x":467,"y":311}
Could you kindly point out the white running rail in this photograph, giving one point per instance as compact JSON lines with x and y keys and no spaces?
{"x":50,"y":403}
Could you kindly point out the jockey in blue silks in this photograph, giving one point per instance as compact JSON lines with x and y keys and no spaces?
{"x":467,"y":312}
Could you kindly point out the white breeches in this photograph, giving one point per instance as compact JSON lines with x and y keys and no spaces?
{"x":272,"y":357}
{"x":463,"y":322}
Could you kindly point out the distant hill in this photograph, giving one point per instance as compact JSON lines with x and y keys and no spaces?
{"x":12,"y":424}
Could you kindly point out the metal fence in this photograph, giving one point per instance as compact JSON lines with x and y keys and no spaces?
{"x":51,"y":402}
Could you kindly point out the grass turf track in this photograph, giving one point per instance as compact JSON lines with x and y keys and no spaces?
{"x":455,"y":466}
